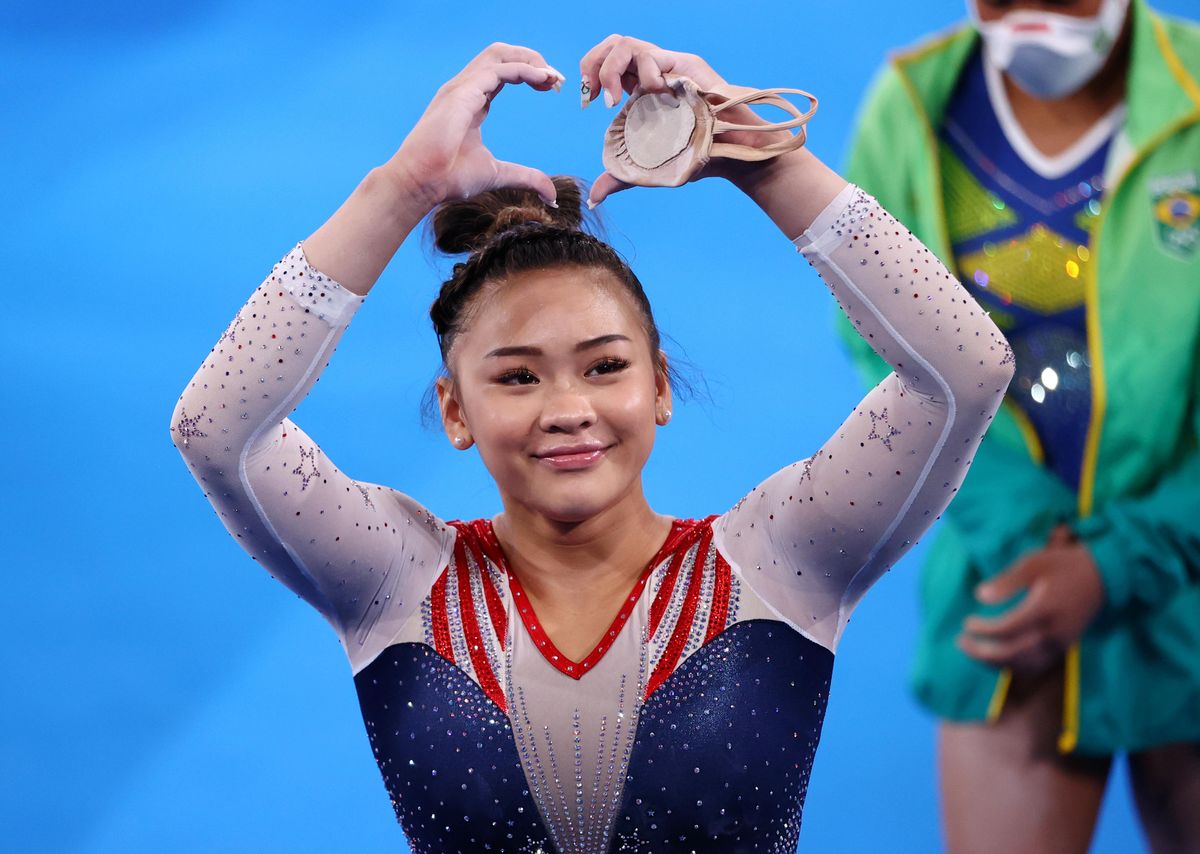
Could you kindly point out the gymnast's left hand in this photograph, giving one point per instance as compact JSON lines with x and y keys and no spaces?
{"x":1064,"y":592}
{"x":621,"y":63}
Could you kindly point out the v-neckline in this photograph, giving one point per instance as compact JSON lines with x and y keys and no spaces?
{"x":533,"y":625}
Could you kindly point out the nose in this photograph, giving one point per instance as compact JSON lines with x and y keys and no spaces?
{"x":567,"y":409}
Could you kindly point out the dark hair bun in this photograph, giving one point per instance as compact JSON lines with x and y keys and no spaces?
{"x":467,"y":225}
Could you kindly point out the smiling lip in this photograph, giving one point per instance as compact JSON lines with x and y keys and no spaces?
{"x":572,"y":457}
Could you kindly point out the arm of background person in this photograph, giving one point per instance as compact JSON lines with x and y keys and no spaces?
{"x":1134,"y":552}
{"x":1007,"y":506}
{"x":1147,"y":546}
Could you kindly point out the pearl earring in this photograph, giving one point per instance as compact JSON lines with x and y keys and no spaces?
{"x":458,"y":441}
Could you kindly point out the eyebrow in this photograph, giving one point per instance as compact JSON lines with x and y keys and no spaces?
{"x":537,"y":351}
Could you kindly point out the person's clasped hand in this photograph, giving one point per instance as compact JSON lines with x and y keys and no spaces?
{"x":1063,"y":593}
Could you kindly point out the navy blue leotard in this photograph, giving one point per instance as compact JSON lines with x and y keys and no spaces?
{"x":693,"y":723}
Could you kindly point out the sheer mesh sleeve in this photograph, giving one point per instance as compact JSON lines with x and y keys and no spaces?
{"x":362,"y":554}
{"x":813,"y":537}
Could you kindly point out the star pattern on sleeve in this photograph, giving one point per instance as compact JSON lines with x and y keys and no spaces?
{"x":806,"y":472}
{"x":307,"y":455}
{"x":230,"y":334}
{"x":365,"y":494}
{"x":431,"y":522}
{"x":189,"y":427}
{"x":878,"y":419}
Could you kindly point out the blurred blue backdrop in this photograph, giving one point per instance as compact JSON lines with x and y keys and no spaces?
{"x":160,"y":691}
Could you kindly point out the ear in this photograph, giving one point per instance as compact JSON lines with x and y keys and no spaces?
{"x":453,"y":418}
{"x":662,"y":391}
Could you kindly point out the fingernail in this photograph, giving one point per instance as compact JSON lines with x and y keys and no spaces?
{"x":555,"y":75}
{"x":591,"y":205}
{"x":551,"y":203}
{"x":585,"y":94}
{"x":608,"y":99}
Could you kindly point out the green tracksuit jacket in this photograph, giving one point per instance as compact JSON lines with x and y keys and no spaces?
{"x":1133,"y":681}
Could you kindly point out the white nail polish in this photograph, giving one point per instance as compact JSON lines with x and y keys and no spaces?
{"x":591,"y":205}
{"x":554,"y":77}
{"x":608,"y":99}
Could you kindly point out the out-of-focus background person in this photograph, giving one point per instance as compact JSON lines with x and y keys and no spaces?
{"x":1050,"y":153}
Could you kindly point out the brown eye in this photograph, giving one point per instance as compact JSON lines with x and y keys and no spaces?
{"x":517,"y":376}
{"x":608,"y":366}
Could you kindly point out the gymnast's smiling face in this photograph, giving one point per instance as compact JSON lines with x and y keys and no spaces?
{"x":555,"y":381}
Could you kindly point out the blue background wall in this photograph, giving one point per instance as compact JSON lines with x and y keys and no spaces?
{"x":160,"y":692}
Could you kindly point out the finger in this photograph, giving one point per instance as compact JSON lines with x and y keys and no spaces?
{"x":1037,"y":660}
{"x":537,"y":76}
{"x":667,"y":60}
{"x":618,"y":61}
{"x":649,"y":74}
{"x":1001,"y":653}
{"x":589,"y":69}
{"x":488,"y":80}
{"x":603,"y":187}
{"x":1061,"y":536}
{"x":1029,"y":615}
{"x":642,"y":63}
{"x":501,"y":52}
{"x":526,"y":178}
{"x":462,"y":103}
{"x":1008,"y":583}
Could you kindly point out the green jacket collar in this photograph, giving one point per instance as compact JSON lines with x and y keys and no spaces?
{"x":1162,"y":93}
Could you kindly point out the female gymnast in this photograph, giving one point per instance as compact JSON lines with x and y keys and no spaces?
{"x":581,"y":673}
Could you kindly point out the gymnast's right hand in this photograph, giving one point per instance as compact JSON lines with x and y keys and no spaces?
{"x":444,"y":157}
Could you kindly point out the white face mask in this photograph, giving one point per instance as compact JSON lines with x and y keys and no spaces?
{"x":1047,"y":54}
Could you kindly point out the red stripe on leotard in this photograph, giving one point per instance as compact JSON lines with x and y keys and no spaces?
{"x":718,"y":615}
{"x":470,"y":622}
{"x":477,"y":534}
{"x":683,"y":626}
{"x":441,"y":623}
{"x":659,"y":606}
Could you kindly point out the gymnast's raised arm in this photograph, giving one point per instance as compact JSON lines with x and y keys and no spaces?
{"x":363,"y":555}
{"x":813,"y":537}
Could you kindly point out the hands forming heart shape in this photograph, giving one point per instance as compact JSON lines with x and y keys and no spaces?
{"x":663,"y":135}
